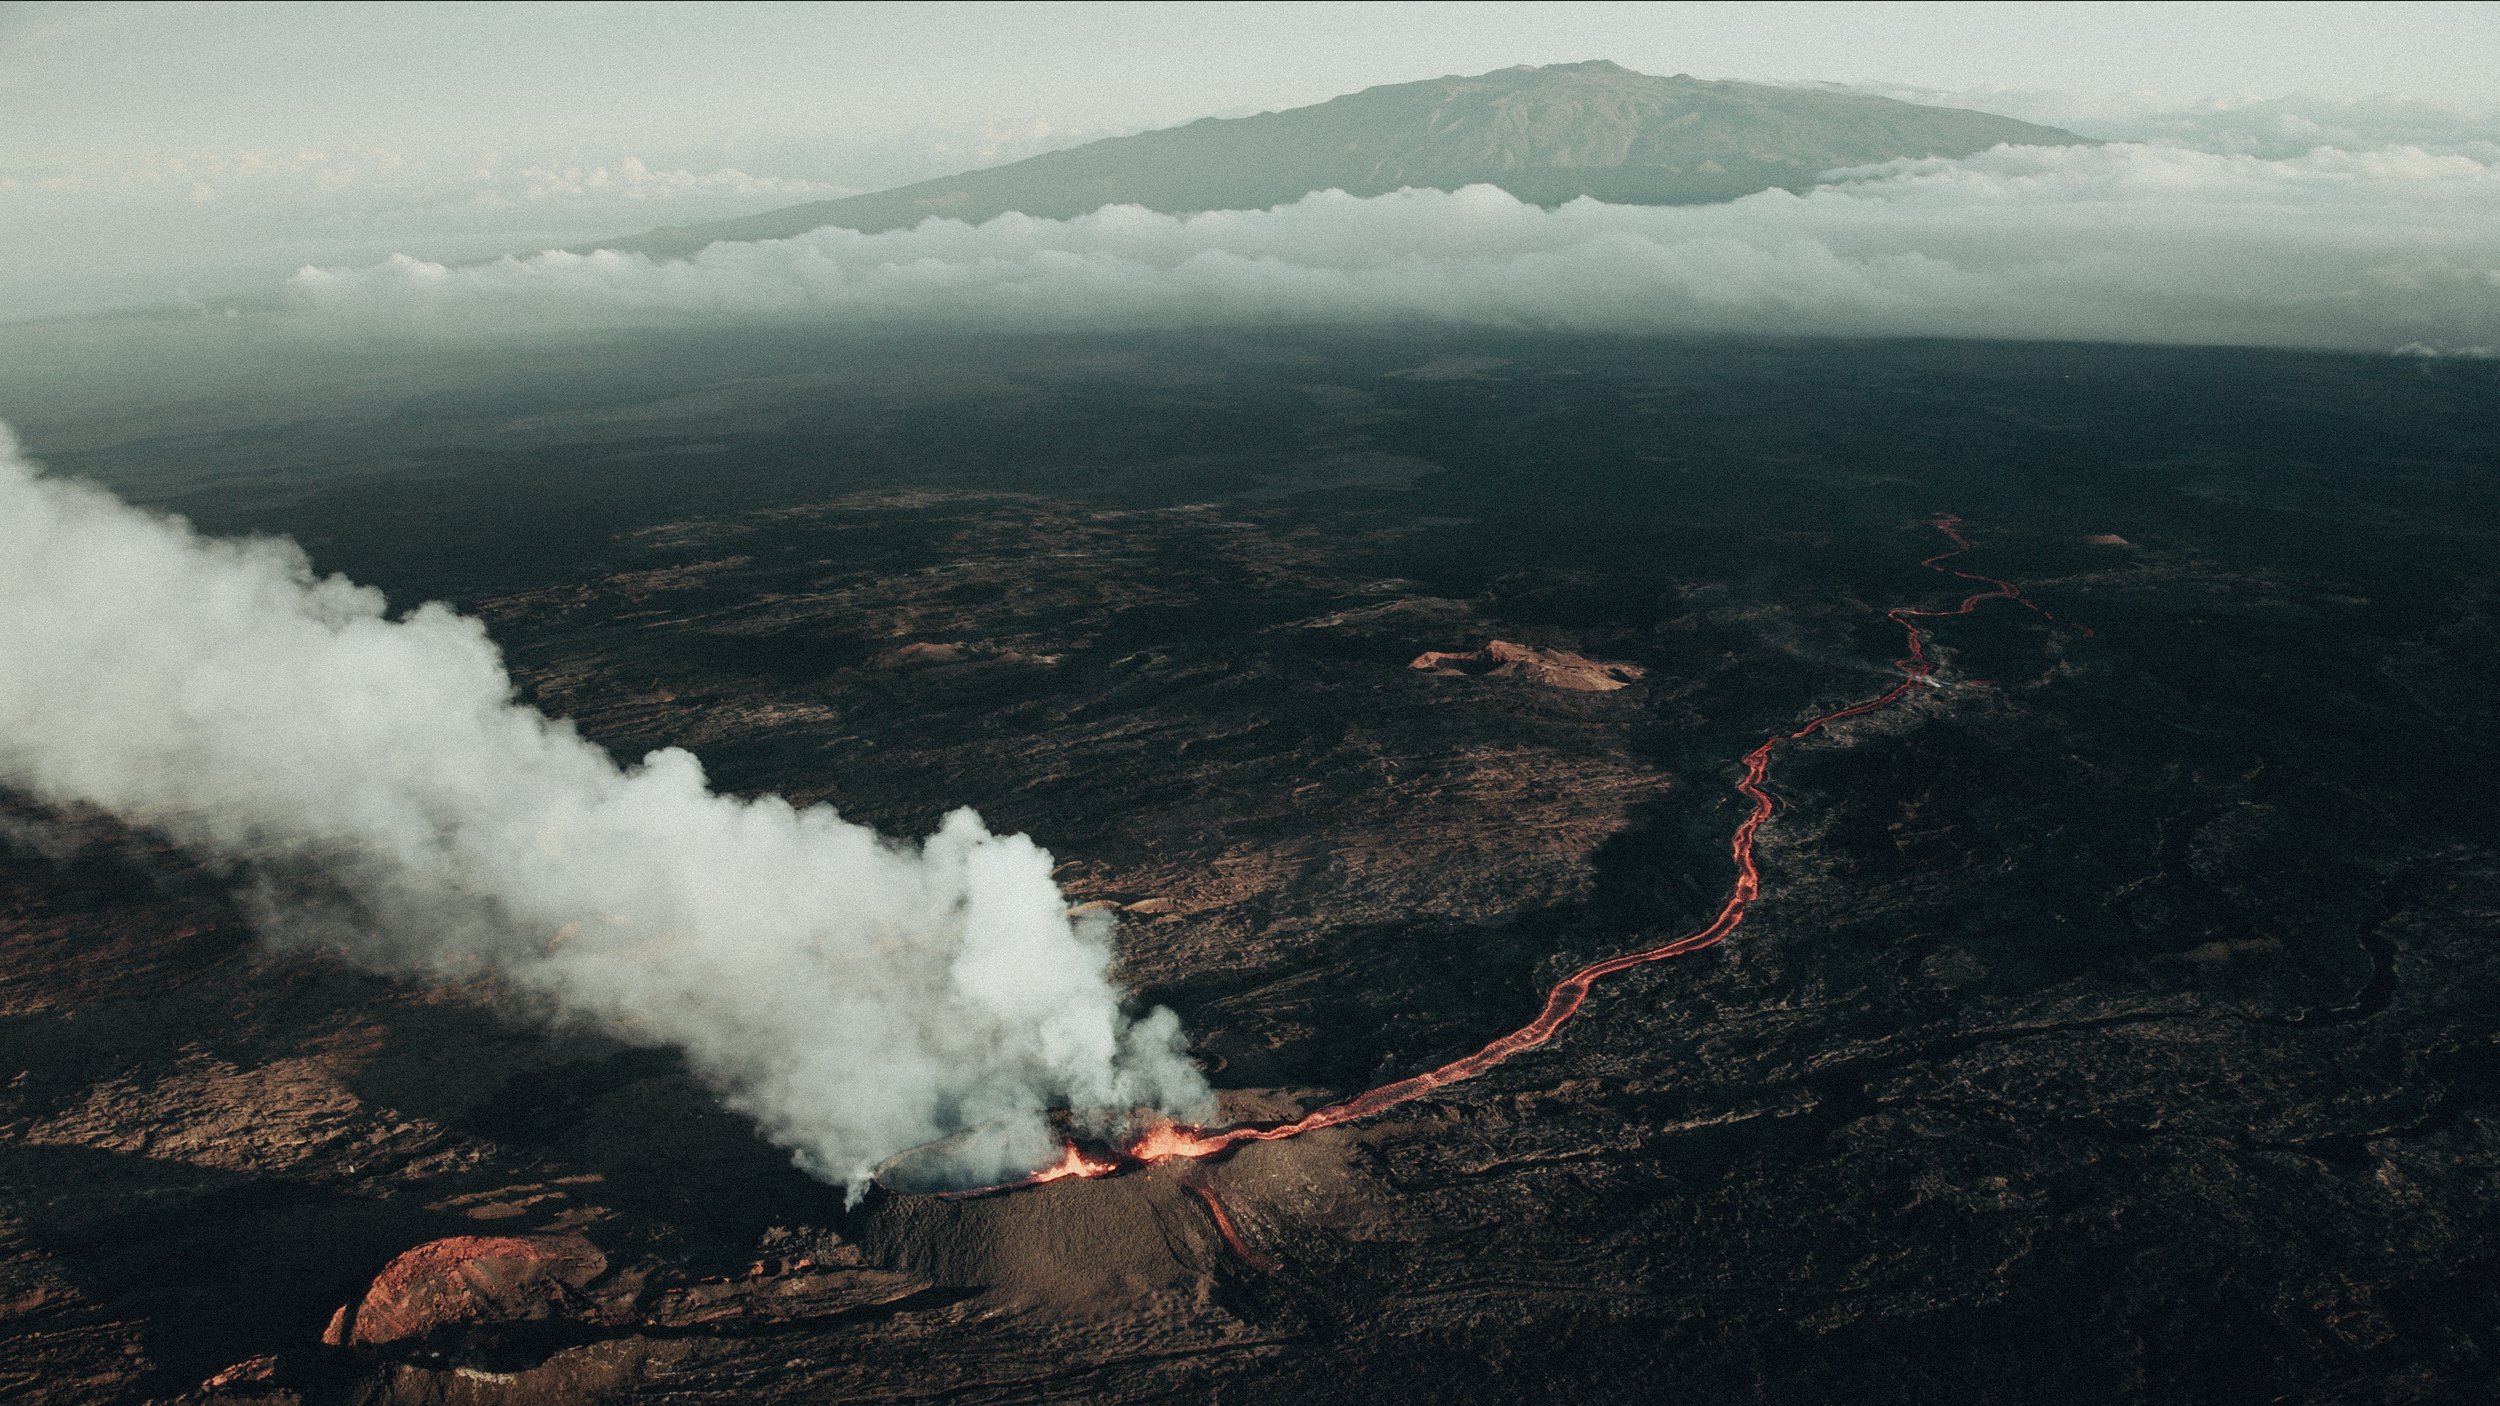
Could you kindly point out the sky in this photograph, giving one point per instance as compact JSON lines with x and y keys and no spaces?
{"x":160,"y":153}
{"x":90,"y":84}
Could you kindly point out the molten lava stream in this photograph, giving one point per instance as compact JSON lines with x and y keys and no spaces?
{"x":1167,"y":1141}
{"x":1073,"y":1162}
{"x":1232,"y":1237}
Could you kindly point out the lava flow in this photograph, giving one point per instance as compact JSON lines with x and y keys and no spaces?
{"x":1073,"y":1162}
{"x":1232,"y":1237}
{"x":1167,"y":1141}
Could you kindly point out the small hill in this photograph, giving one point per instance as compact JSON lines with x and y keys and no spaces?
{"x":1546,"y":135}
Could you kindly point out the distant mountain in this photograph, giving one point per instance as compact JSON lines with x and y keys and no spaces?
{"x":1546,"y":135}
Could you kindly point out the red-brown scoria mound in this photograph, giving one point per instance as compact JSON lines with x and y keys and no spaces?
{"x":464,"y":1280}
{"x":1555,"y":668}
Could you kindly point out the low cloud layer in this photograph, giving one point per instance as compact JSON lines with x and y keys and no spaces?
{"x":227,"y":224}
{"x":2279,"y":127}
{"x":2366,"y":251}
{"x":211,"y":224}
{"x":372,"y":783}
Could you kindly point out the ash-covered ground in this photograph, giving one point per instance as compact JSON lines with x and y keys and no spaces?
{"x":2119,"y":1022}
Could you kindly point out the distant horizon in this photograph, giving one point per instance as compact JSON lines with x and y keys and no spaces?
{"x":88,"y":81}
{"x":165,"y":156}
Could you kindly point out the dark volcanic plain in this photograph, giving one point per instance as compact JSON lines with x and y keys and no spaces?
{"x":2123,"y":1028}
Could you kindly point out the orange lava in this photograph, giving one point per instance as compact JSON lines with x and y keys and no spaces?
{"x":1074,"y":1164}
{"x":1167,"y":1141}
{"x":1232,"y":1237}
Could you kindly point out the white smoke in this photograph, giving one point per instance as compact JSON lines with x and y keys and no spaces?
{"x":376,"y":781}
{"x":2365,"y":251}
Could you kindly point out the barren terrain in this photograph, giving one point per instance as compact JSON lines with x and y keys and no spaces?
{"x":2117,"y":1021}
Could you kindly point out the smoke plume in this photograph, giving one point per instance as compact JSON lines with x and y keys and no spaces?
{"x":374,"y":783}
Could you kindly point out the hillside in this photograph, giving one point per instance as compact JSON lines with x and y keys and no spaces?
{"x":1546,"y":135}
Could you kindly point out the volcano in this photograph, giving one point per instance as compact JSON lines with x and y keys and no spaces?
{"x":1547,"y":135}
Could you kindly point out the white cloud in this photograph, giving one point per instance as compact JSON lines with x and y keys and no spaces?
{"x":121,"y":231}
{"x":375,"y":192}
{"x":2369,"y":250}
{"x":2295,"y":126}
{"x":227,"y":222}
{"x":2284,"y":126}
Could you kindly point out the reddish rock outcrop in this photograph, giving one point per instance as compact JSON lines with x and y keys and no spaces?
{"x":1555,"y":668}
{"x":924,"y":655}
{"x":250,"y":1372}
{"x":927,"y":654}
{"x":473,"y":1280}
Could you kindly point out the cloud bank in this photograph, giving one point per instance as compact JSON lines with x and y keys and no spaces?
{"x":376,"y":786}
{"x":231,"y":223}
{"x":2367,"y":251}
{"x":2280,"y":127}
{"x":212,"y":223}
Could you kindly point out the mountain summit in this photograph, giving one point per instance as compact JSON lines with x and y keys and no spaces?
{"x":1546,"y":135}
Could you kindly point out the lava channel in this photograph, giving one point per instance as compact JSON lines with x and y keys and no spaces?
{"x":1168,"y":1141}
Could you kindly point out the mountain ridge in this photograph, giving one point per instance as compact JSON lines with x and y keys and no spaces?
{"x":1545,"y":134}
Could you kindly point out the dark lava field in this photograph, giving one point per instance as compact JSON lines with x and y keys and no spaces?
{"x":2119,"y":1021}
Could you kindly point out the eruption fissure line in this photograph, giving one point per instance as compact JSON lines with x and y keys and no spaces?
{"x":1167,"y":1141}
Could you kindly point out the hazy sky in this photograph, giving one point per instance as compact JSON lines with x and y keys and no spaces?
{"x":166,"y":152}
{"x":96,"y":83}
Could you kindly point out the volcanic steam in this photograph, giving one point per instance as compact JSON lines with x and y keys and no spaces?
{"x":376,"y":788}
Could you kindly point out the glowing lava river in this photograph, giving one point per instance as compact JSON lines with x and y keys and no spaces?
{"x":1169,"y":1141}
